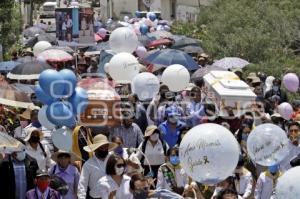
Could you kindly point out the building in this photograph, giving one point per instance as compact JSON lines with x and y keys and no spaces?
{"x":183,"y":10}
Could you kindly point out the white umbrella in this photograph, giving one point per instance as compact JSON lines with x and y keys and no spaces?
{"x":9,"y":144}
{"x":54,"y":55}
{"x":231,"y":62}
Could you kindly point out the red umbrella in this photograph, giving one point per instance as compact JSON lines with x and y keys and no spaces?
{"x":160,"y":42}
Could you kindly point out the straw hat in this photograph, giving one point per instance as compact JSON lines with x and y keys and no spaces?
{"x":30,"y":130}
{"x":150,"y":130}
{"x":98,"y":141}
{"x":55,"y":155}
{"x":26,"y":114}
{"x":255,"y":80}
{"x":276,"y":115}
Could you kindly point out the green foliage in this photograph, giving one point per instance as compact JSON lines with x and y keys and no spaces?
{"x":261,"y":32}
{"x":10,"y":24}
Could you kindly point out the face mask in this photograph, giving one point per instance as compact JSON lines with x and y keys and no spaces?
{"x":21,"y":155}
{"x":42,"y":185}
{"x":34,"y":139}
{"x":154,"y":137}
{"x":119,"y":150}
{"x":273,"y":169}
{"x":275,"y":88}
{"x":174,"y":159}
{"x":173,"y":120}
{"x":119,"y":171}
{"x":101,"y":154}
{"x":245,"y":136}
{"x":24,"y":123}
{"x":140,"y":194}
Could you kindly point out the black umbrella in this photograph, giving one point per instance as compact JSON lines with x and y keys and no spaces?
{"x":41,"y":37}
{"x":64,"y":48}
{"x":201,"y":72}
{"x":28,"y":71}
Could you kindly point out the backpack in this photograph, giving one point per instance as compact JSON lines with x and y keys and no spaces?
{"x":58,"y":184}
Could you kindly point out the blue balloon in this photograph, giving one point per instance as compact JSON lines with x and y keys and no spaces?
{"x":70,"y":81}
{"x":42,"y":96}
{"x":52,"y":83}
{"x":79,"y":100}
{"x":60,"y":114}
{"x":137,"y":14}
{"x":152,"y":16}
{"x":144,"y":29}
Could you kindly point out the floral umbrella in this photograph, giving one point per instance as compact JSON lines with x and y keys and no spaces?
{"x":54,"y":55}
{"x":231,"y":62}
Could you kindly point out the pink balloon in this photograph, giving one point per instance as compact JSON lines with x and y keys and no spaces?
{"x":102,"y":32}
{"x":141,"y":51}
{"x":291,"y":82}
{"x":285,"y":110}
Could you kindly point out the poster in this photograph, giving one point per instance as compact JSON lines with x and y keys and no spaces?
{"x":74,"y":25}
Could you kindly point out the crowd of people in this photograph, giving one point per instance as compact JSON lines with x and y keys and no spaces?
{"x":139,"y":158}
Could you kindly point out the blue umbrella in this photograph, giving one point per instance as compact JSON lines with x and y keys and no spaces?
{"x":8,"y":65}
{"x":167,"y":57}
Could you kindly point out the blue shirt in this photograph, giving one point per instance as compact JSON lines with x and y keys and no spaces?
{"x":170,"y":136}
{"x":20,"y":179}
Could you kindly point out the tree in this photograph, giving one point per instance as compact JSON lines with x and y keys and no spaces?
{"x":10,"y":24}
{"x":261,"y":32}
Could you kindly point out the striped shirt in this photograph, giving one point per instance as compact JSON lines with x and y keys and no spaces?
{"x":20,"y":179}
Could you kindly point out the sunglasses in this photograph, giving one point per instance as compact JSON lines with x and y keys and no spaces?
{"x":120,"y":165}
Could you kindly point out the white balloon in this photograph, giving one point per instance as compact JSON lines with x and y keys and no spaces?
{"x":267,"y":144}
{"x":285,"y":110}
{"x":209,"y":153}
{"x":40,"y":47}
{"x":176,"y":77}
{"x":123,"y":67}
{"x":288,"y":185}
{"x":42,"y":117}
{"x":62,"y":139}
{"x":123,"y":39}
{"x":145,"y":85}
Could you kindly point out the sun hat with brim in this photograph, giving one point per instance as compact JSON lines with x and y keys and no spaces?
{"x":30,"y":130}
{"x":26,"y":114}
{"x":55,"y":155}
{"x":190,"y":87}
{"x":150,"y":130}
{"x":276,"y":115}
{"x":251,"y":75}
{"x":255,"y":80}
{"x":98,"y":141}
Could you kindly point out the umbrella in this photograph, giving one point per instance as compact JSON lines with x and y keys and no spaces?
{"x":145,"y":40}
{"x":231,"y":62}
{"x":26,"y":59}
{"x":64,"y":48}
{"x":47,"y":37}
{"x":160,"y":34}
{"x":167,"y":57}
{"x":8,"y":65}
{"x":54,"y":55}
{"x":26,"y":88}
{"x":9,"y":144}
{"x":198,"y":74}
{"x":159,"y":42}
{"x":28,"y":71}
{"x":10,"y":96}
{"x":33,"y":31}
{"x":95,"y":50}
{"x":192,"y":49}
{"x":181,"y":41}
